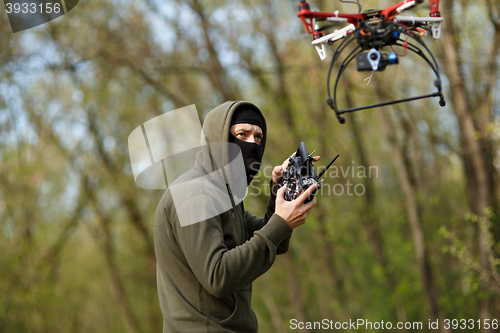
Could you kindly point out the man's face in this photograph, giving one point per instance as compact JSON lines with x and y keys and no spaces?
{"x":247,"y":132}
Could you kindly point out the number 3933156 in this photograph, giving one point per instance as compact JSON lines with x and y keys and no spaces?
{"x":26,"y":14}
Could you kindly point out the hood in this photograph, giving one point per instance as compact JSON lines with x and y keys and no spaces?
{"x":215,"y":135}
{"x":215,"y":184}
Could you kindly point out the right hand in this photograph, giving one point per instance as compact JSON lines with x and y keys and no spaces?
{"x":294,"y":212}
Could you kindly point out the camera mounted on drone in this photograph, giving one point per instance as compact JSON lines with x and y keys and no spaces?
{"x":375,"y":32}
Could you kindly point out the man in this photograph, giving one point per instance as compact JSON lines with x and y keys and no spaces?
{"x":209,"y":249}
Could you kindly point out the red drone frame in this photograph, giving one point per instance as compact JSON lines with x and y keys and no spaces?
{"x":388,"y":13}
{"x":374,"y":30}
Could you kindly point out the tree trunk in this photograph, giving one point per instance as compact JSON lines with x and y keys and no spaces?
{"x":273,"y":308}
{"x":295,"y":295}
{"x":411,"y":204}
{"x":216,"y":73}
{"x":336,"y":278}
{"x":472,"y":157}
{"x":371,"y":221}
{"x":129,"y":320}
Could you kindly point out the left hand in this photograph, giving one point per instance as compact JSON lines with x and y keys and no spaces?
{"x":279,"y":169}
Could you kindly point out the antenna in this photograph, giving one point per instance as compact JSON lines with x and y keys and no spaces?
{"x":329,"y":165}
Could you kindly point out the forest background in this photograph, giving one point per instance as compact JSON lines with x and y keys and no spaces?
{"x":76,"y":244}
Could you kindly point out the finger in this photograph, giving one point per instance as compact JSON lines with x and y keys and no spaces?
{"x":308,"y":206}
{"x":303,"y":196}
{"x":306,"y":213}
{"x":277,"y":174}
{"x":316,"y":158}
{"x":285,"y":162}
{"x":281,"y":193}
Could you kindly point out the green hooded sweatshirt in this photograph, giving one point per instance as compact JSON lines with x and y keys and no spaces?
{"x":205,"y":269}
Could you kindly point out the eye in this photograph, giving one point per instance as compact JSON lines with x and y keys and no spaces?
{"x":240,"y":135}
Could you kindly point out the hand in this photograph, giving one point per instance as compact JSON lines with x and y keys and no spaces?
{"x":294,"y":212}
{"x":279,"y":169}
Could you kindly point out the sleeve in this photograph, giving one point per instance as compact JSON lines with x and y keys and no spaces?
{"x":255,"y":223}
{"x":222,"y":271}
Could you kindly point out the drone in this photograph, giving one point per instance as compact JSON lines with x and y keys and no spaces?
{"x":376,"y":33}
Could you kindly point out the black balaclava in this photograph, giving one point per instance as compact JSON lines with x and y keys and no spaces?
{"x":252,"y":152}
